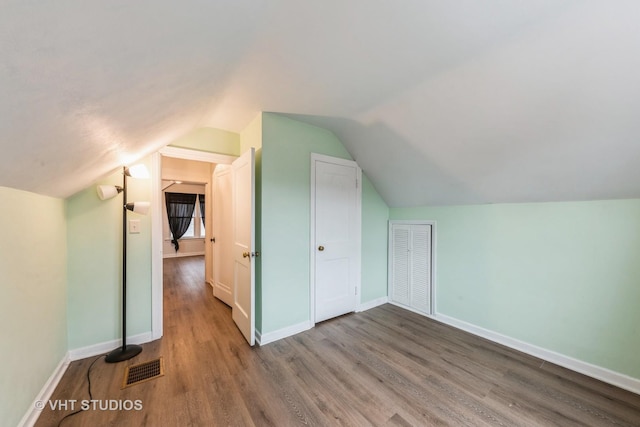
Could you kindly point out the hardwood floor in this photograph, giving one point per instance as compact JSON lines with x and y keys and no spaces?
{"x":383,"y":367}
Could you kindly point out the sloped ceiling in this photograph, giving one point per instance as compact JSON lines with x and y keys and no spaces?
{"x":440,"y":102}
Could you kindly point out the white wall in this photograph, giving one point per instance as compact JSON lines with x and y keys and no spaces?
{"x":187,"y":171}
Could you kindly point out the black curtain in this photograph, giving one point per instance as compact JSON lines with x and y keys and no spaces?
{"x":180,"y":208}
{"x":201,"y":199}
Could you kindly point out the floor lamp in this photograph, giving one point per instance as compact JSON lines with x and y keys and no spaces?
{"x":105,"y":192}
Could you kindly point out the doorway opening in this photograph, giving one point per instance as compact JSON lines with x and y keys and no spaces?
{"x":185,"y":187}
{"x":181,"y":170}
{"x":242,"y":225}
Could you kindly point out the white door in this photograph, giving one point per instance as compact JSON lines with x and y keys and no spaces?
{"x":222,"y":234}
{"x":243,"y":244}
{"x":400,"y":241}
{"x":410,"y":265}
{"x":420,"y":260}
{"x":336,"y":236}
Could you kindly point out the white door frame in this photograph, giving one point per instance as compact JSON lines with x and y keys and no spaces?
{"x":157,"y":328}
{"x":312,"y":238}
{"x":433,"y":261}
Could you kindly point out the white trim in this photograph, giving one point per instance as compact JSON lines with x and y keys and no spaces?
{"x":406,"y":307}
{"x":372,"y":304}
{"x":105,"y":347}
{"x":334,"y":160}
{"x":358,"y":235}
{"x":305,"y":326}
{"x":603,"y":374}
{"x":182,"y":254}
{"x":312,"y":225}
{"x":29,"y":419}
{"x":156,"y":247}
{"x":201,"y":156}
{"x":434,"y":251}
{"x":288,"y":331}
{"x":312,"y":242}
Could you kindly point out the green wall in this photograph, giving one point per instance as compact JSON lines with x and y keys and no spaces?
{"x":286,"y":167}
{"x":94,"y":235}
{"x":251,"y":136}
{"x":33,"y":307}
{"x":375,"y":216}
{"x":562,"y":276}
{"x":72,"y":283}
{"x":210,"y":140}
{"x":283,"y":148}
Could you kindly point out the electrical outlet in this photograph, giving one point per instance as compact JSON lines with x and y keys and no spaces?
{"x":134,"y":226}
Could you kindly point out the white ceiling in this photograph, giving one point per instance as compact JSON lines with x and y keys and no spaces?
{"x":440,"y":102}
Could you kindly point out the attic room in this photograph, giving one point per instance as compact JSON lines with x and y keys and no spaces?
{"x":508,"y":129}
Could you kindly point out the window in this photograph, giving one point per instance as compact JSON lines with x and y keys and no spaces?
{"x":196,"y":226}
{"x":185,"y":216}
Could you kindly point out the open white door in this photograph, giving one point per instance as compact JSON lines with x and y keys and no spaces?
{"x":222,"y":235}
{"x":243,"y":244}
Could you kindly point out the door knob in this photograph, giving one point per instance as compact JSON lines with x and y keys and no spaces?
{"x":245,"y":254}
{"x":321,"y":248}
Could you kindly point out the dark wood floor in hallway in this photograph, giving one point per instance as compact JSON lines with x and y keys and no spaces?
{"x":382,"y":367}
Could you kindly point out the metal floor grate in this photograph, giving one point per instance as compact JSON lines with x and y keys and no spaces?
{"x":136,"y":374}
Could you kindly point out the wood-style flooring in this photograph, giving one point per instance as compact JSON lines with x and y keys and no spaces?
{"x":382,"y":367}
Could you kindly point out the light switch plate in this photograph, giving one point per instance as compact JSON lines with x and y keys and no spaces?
{"x":134,"y":226}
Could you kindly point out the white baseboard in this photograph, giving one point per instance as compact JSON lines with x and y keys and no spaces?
{"x":305,"y":326}
{"x":32,"y":414}
{"x":406,"y":307}
{"x":372,"y":304}
{"x":603,"y":374}
{"x":282,"y":333}
{"x":181,"y":254}
{"x":105,"y":347}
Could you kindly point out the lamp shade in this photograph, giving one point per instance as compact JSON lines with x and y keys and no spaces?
{"x":108,"y":191}
{"x":141,"y":208}
{"x":138,"y":171}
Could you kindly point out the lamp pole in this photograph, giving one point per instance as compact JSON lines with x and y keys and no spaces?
{"x":125,"y":352}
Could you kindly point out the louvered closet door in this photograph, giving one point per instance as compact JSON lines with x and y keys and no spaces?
{"x":400,"y":275}
{"x":410,"y":275}
{"x":420,"y":256}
